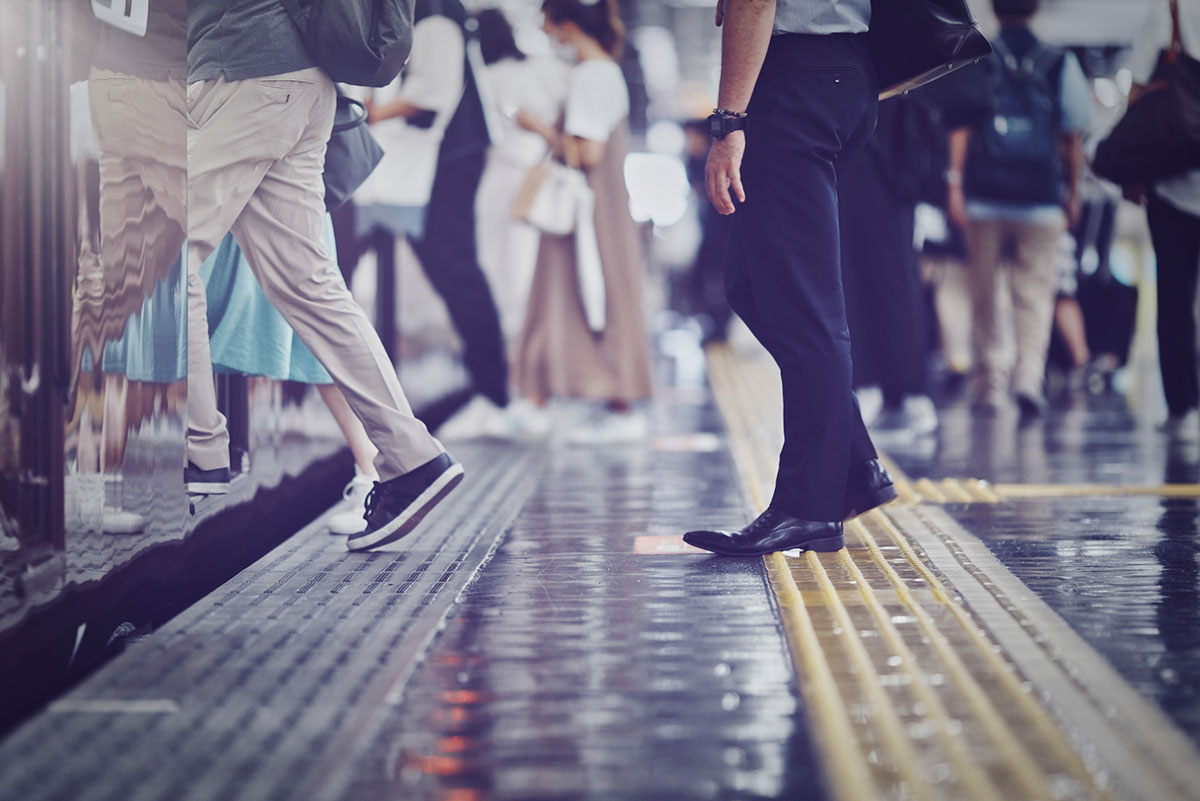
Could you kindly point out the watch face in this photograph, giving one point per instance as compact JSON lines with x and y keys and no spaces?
{"x":716,"y":126}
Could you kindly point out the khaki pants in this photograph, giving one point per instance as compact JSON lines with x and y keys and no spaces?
{"x":1032,"y":288}
{"x":256,"y":151}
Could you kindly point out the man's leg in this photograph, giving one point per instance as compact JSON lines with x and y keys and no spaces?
{"x":1032,"y":283}
{"x":282,"y":232}
{"x":983,"y":238}
{"x":811,"y":99}
{"x":227,"y":158}
{"x":448,"y":256}
{"x":1176,"y":237}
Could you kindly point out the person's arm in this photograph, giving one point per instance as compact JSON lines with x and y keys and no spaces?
{"x":1073,"y":156}
{"x":956,"y":201}
{"x":748,"y":25}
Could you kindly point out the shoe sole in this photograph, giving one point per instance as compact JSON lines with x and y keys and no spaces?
{"x":825,"y":545}
{"x":407,"y":520}
{"x":880,"y":497}
{"x":207,"y":488}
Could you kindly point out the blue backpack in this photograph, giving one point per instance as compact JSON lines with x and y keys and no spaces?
{"x":1014,"y":155}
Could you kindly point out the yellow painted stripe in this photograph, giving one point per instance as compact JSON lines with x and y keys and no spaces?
{"x":1048,"y":731}
{"x":930,"y":490}
{"x":887,"y":719}
{"x":967,"y":771}
{"x":954,"y":490}
{"x":1086,"y":490}
{"x":1012,"y":752}
{"x":845,"y":761}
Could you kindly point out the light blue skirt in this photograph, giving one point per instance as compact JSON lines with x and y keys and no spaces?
{"x":247,"y":335}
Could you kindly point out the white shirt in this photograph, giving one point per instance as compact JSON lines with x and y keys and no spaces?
{"x":1182,"y":191}
{"x":822,"y":16}
{"x":433,"y":79}
{"x":537,"y":84}
{"x":597,"y":100}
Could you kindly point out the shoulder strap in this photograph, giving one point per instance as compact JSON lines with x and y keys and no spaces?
{"x":1176,"y":40}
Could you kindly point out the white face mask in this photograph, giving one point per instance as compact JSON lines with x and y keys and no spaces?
{"x":565,"y":51}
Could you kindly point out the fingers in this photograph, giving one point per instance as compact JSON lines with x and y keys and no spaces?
{"x":717,"y":182}
{"x":735,"y":181}
{"x":720,"y":12}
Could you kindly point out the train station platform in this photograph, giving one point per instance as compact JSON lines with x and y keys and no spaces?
{"x":1024,"y":623}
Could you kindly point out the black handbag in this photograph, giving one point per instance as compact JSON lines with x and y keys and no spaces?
{"x":351,"y":154}
{"x":1159,"y":135}
{"x":359,"y":42}
{"x":913,"y":42}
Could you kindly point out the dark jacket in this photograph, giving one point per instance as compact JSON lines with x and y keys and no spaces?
{"x":241,"y":39}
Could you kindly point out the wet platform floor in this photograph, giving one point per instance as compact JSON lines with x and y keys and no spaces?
{"x":546,"y":636}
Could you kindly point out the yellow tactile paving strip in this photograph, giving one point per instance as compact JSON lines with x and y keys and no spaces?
{"x":909,"y":696}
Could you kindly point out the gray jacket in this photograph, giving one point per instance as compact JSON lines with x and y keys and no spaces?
{"x":241,"y":39}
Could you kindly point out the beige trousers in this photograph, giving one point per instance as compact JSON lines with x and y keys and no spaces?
{"x":256,"y":151}
{"x":1031,"y":284}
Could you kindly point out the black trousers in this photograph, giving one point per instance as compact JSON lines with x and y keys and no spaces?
{"x":448,"y":256}
{"x":813,"y":106}
{"x":1176,"y":237}
{"x":881,"y":273}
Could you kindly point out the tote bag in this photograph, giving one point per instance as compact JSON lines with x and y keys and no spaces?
{"x":1159,"y":135}
{"x":913,"y":42}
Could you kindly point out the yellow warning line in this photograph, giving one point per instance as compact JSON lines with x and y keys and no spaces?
{"x":1089,"y":490}
{"x":887,"y":718}
{"x":845,"y":760}
{"x":1017,"y":759}
{"x":966,"y":768}
{"x":1045,"y":726}
{"x":744,"y":394}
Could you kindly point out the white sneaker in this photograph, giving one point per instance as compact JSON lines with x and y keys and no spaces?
{"x":870,"y":404}
{"x":351,"y":521}
{"x":611,"y":428}
{"x":920,"y":414}
{"x":479,"y":418}
{"x":1182,"y":427}
{"x":523,"y":420}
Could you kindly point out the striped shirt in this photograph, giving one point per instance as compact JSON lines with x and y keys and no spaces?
{"x":822,"y":16}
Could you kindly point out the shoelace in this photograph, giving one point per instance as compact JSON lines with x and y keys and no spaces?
{"x":765,"y":520}
{"x":372,"y":498}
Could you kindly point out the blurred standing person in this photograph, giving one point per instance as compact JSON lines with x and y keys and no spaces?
{"x":885,"y":295}
{"x":1014,"y":188}
{"x":260,"y":113}
{"x":434,"y":130}
{"x":798,"y":99}
{"x":1173,"y":211}
{"x":557,"y":355}
{"x":537,"y":84}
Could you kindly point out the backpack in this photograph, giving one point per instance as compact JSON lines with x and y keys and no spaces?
{"x":1014,"y":155}
{"x":358,"y":42}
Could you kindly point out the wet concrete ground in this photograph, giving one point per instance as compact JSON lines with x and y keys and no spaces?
{"x":1123,"y":571}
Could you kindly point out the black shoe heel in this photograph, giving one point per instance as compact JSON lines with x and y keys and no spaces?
{"x":872,"y":500}
{"x":827,"y":545}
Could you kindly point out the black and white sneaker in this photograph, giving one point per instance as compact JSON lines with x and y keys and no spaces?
{"x":207,"y":482}
{"x":395,"y":507}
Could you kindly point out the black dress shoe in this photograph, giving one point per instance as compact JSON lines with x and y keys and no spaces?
{"x":867,"y":487}
{"x":773,"y":530}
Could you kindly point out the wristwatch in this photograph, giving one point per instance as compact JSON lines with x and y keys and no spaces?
{"x":721,"y":122}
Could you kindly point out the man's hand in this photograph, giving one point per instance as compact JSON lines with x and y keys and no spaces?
{"x":720,"y":12}
{"x":724,"y":172}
